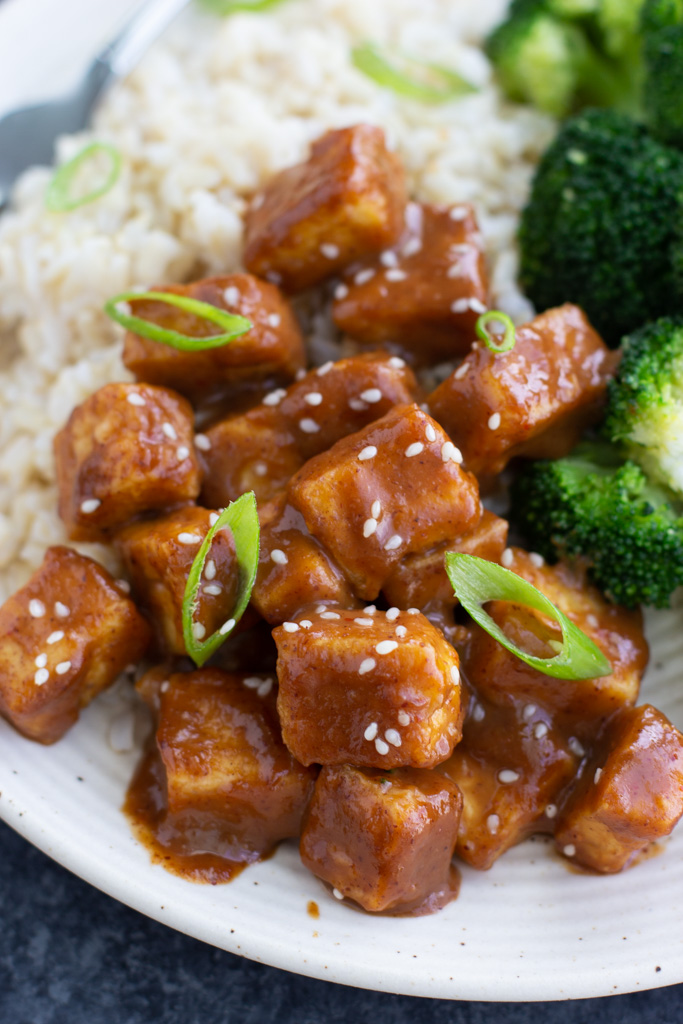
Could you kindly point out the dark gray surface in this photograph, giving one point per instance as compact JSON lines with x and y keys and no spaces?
{"x":71,"y":955}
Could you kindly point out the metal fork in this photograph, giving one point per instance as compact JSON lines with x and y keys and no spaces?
{"x":27,"y":135}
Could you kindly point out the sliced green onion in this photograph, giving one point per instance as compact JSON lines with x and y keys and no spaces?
{"x":224,"y":7}
{"x":58,"y":197}
{"x":242,"y":520}
{"x":476,"y":581}
{"x":233,"y":325}
{"x":493,"y":341}
{"x":429,"y":83}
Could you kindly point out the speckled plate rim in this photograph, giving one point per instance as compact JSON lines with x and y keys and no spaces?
{"x":527,"y":930}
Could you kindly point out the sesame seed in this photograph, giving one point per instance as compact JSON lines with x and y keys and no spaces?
{"x":300,"y":373}
{"x":305,"y":623}
{"x":357,"y":405}
{"x":412,"y":247}
{"x":329,"y":250}
{"x":123,"y":585}
{"x":381,"y":747}
{"x":540,"y":730}
{"x":370,"y":609}
{"x":63,"y":667}
{"x":403,"y":718}
{"x":363,"y":276}
{"x":368,"y":452}
{"x":414,"y":449}
{"x":455,"y":270}
{"x":164,"y":688}
{"x":461,"y":371}
{"x":330,"y":615}
{"x":135,"y":399}
{"x":550,"y":811}
{"x":388,"y":258}
{"x":592,"y":621}
{"x":455,"y":675}
{"x":494,"y":421}
{"x":273,"y":319}
{"x":370,"y":732}
{"x":393,"y":542}
{"x":458,"y":212}
{"x":313,"y":398}
{"x":393,"y":613}
{"x":569,"y":850}
{"x":393,"y":737}
{"x":41,"y":661}
{"x":575,"y":746}
{"x":90,"y":505}
{"x":325,"y":368}
{"x":400,"y":631}
{"x":413,"y":611}
{"x":320,"y":608}
{"x":55,"y":637}
{"x":189,"y":538}
{"x":170,"y":431}
{"x":537,"y":560}
{"x":365,"y":622}
{"x":278,"y":556}
{"x":478,"y":713}
{"x":341,"y":291}
{"x":36,"y":608}
{"x":376,"y":509}
{"x":213,"y":518}
{"x":460,"y":306}
{"x":252,"y":682}
{"x":395,"y":274}
{"x":337,"y":895}
{"x":290,"y":627}
{"x":430,"y":433}
{"x":372,"y":395}
{"x":369,"y":527}
{"x":308,"y":426}
{"x":264,"y":689}
{"x":492,"y":823}
{"x":366,"y":665}
{"x":477,"y":306}
{"x":449,"y":453}
{"x":507,"y":558}
{"x":182,"y":453}
{"x":507,"y":775}
{"x":386,"y":646}
{"x":61,"y":610}
{"x":274,"y":397}
{"x":231,"y":295}
{"x":41,"y":676}
{"x":226,"y":627}
{"x":210,"y":569}
{"x":198,"y":630}
{"x":213,"y":589}
{"x":528,"y":711}
{"x":397,"y":363}
{"x":596,"y":777}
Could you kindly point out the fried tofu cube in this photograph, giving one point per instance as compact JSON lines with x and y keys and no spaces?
{"x":421,"y":581}
{"x":125,"y":451}
{"x":272,"y":350}
{"x":512,"y":765}
{"x":384,"y":492}
{"x":263,"y":448}
{"x":311,"y":220}
{"x":374,"y":689}
{"x":64,"y":637}
{"x":535,"y":400}
{"x":294,"y":570}
{"x":503,"y":678}
{"x":229,"y":786}
{"x":158,"y":555}
{"x":384,"y":839}
{"x":423,"y":294}
{"x":630,"y":793}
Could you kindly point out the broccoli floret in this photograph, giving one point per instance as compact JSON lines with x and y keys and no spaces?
{"x":618,"y":23}
{"x":645,"y":409}
{"x":662,"y":26}
{"x":600,"y":228}
{"x":598,"y":507}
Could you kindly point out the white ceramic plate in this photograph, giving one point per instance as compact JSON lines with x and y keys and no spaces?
{"x":528,"y":929}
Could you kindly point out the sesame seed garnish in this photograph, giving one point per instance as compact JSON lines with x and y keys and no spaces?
{"x":273,"y":319}
{"x":357,"y":405}
{"x":397,"y":363}
{"x":337,"y":895}
{"x":135,"y":399}
{"x":231,"y":295}
{"x":381,"y":747}
{"x":478,"y":713}
{"x":393,"y":737}
{"x":300,"y":373}
{"x":386,"y":646}
{"x":213,"y":518}
{"x":455,"y":675}
{"x":189,"y":538}
{"x":569,"y":850}
{"x":198,"y":630}
{"x":413,"y":611}
{"x":252,"y":682}
{"x":537,"y":560}
{"x":123,"y":585}
{"x":388,"y":258}
{"x":412,"y":247}
{"x":592,"y":621}
{"x":308,"y":426}
{"x":329,"y":250}
{"x":90,"y":505}
{"x":507,"y":558}
{"x":325,"y":368}
{"x":430,"y":433}
{"x":41,"y":676}
{"x":449,"y":453}
{"x":363,"y":276}
{"x":403,"y":718}
{"x":393,"y":542}
{"x":210,"y":569}
{"x":461,"y":371}
{"x":460,"y":306}
{"x":365,"y":622}
{"x":63,"y":668}
{"x":455,"y":270}
{"x":575,"y":746}
{"x":226,"y":627}
{"x":370,"y":732}
{"x":492,"y":823}
{"x":305,"y":623}
{"x":477,"y":306}
{"x":550,"y":811}
{"x":290,"y":627}
{"x":395,"y":274}
{"x":528,"y":711}
{"x":458,"y":212}
{"x":55,"y":637}
{"x":61,"y":610}
{"x":366,"y":665}
{"x":36,"y":608}
{"x":540,"y":730}
{"x":507,"y":775}
{"x":330,"y":615}
{"x":213,"y":589}
{"x":182,"y":453}
{"x":400,"y":631}
{"x":414,"y":449}
{"x":264,"y":689}
{"x":368,"y":452}
{"x":369,"y":527}
{"x":313,"y":398}
{"x":376,"y":509}
{"x":41,"y":661}
{"x":274,"y":397}
{"x":278,"y":556}
{"x":320,"y":608}
{"x":494,"y":421}
{"x":164,"y":688}
{"x":170,"y":431}
{"x":341,"y":291}
{"x":393,"y":613}
{"x":372,"y":395}
{"x":370,"y":609}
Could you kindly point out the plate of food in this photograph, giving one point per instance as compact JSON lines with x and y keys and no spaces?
{"x":339,"y":458}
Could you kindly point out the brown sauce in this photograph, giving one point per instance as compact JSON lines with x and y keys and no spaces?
{"x":313,"y":909}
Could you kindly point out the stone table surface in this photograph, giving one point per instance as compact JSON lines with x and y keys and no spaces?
{"x":71,"y":955}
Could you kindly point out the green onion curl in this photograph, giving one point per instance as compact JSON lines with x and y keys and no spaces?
{"x":507,"y":342}
{"x":429,"y":83}
{"x":224,"y":7}
{"x":58,"y":194}
{"x":233,"y":325}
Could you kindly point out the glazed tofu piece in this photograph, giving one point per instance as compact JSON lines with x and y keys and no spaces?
{"x":272,"y":350}
{"x":125,"y":451}
{"x":534,"y":400}
{"x":294,"y":570}
{"x":313,"y":219}
{"x":512,"y":767}
{"x":374,"y":689}
{"x":630,"y":793}
{"x":158,"y":555}
{"x":228,"y":784}
{"x":64,"y":638}
{"x":262,"y":449}
{"x":504,"y":679}
{"x":386,"y":491}
{"x":423,"y":294}
{"x":420,"y":580}
{"x":384,"y":839}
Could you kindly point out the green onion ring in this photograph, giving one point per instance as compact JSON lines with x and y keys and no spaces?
{"x":224,"y":7}
{"x":233,"y":325}
{"x":241,"y":517}
{"x":57,"y":194}
{"x":509,"y":337}
{"x":382,"y":68}
{"x":476,"y":581}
